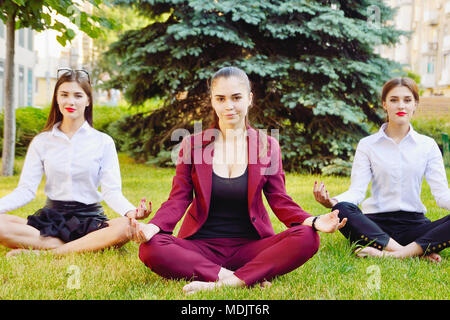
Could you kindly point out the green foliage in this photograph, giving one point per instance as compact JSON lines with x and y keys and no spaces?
{"x":314,"y":73}
{"x":432,"y":128}
{"x":411,"y":74}
{"x":338,"y":167}
{"x":37,"y":14}
{"x":125,"y":18}
{"x":29,"y":122}
{"x":416,"y":77}
{"x":105,"y":115}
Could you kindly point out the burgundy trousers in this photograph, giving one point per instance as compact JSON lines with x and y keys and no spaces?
{"x":252,"y":260}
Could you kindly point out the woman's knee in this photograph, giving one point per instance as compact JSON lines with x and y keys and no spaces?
{"x":347,"y":209}
{"x":314,"y":239}
{"x":151,"y":252}
{"x":5,"y":227}
{"x":309,"y":239}
{"x":122,"y":230}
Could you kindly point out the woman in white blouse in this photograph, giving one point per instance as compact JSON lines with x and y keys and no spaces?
{"x":392,"y":222}
{"x":76,"y":159}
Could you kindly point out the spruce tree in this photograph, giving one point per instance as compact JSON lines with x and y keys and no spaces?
{"x":315,"y":73}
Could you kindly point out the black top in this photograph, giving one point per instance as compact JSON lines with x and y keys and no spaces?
{"x":228,"y":215}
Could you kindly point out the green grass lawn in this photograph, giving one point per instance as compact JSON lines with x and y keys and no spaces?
{"x":333,"y":273}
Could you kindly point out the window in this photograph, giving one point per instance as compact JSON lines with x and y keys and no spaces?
{"x":21,"y":86}
{"x":22,"y":38}
{"x":430,"y":65}
{"x":2,"y":29}
{"x":30,"y":87}
{"x":30,"y":39}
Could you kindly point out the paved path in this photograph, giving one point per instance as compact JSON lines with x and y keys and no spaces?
{"x":434,"y":107}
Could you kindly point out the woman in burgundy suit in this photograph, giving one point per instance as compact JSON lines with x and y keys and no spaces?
{"x":226,"y":237}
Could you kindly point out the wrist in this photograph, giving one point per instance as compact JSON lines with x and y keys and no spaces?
{"x":149,"y":230}
{"x":333,"y":202}
{"x":313,"y":225}
{"x":307,"y":221}
{"x":128,"y":213}
{"x":155,"y":229}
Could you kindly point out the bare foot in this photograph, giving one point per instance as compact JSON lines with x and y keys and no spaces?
{"x":231,"y":281}
{"x":368,"y":252}
{"x":265,"y":284}
{"x":196,"y":286}
{"x":433,"y":257}
{"x":16,"y":252}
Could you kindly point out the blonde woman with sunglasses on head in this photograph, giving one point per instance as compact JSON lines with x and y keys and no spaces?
{"x":76,"y":159}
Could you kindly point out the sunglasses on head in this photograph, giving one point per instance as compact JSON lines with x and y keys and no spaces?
{"x":80,"y":73}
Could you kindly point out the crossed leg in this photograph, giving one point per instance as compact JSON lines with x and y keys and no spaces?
{"x":16,"y":234}
{"x":255,"y":261}
{"x":415,"y":240}
{"x":424,"y":240}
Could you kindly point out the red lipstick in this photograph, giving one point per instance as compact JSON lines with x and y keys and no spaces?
{"x":70,"y":110}
{"x":401,"y":114}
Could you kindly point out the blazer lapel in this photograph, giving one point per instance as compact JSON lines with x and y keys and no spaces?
{"x":202,"y":153}
{"x":255,"y":166}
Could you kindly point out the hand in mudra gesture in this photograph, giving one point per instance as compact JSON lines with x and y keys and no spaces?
{"x":329,"y":222}
{"x":141,"y":211}
{"x":322,"y":196}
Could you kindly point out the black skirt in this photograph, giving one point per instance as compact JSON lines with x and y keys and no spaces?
{"x":68,"y":220}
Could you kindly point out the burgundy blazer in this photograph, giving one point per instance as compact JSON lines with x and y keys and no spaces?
{"x":191,"y":186}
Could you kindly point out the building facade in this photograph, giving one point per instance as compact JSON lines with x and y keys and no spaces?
{"x":37,"y":59}
{"x":427,"y":51}
{"x":24,"y":67}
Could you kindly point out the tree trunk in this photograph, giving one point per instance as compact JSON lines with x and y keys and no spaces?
{"x":9,"y":132}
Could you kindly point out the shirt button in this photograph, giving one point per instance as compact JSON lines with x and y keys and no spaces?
{"x":253,"y":219}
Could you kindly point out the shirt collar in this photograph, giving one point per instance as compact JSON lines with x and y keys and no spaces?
{"x":85,"y":127}
{"x":412,"y":134}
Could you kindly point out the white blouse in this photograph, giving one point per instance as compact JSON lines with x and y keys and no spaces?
{"x":74,"y":169}
{"x":396,"y":172}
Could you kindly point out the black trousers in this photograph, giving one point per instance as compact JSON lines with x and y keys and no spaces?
{"x":404,"y":227}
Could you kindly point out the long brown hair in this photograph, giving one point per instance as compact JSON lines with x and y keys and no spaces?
{"x":55,"y":114}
